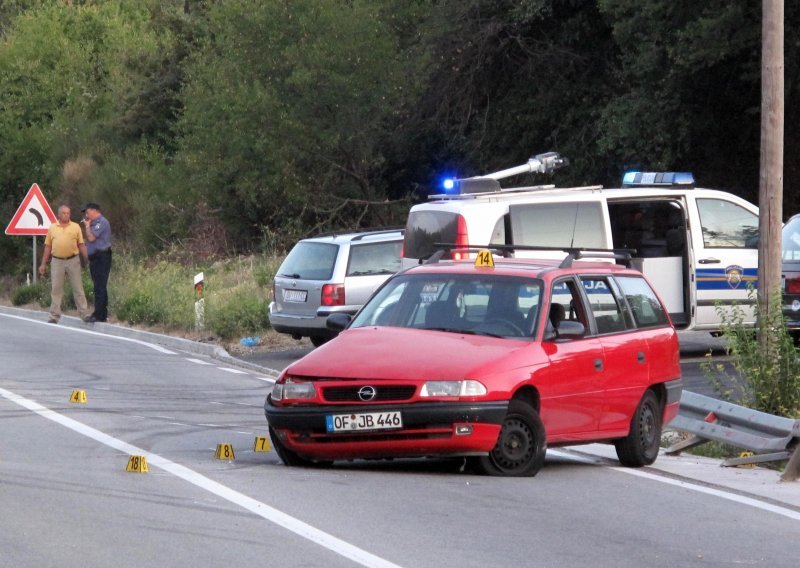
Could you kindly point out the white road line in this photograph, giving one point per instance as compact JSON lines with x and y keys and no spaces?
{"x":90,"y":332}
{"x":263,"y":510}
{"x":145,"y":343}
{"x":685,"y":485}
{"x":234,"y":371}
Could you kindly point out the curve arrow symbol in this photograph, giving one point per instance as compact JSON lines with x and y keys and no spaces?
{"x":38,"y":216}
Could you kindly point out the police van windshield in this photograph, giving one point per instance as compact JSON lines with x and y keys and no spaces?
{"x":499,"y":306}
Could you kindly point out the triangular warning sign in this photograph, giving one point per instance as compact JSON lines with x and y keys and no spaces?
{"x":33,"y":217}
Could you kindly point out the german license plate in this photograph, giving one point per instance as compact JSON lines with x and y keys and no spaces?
{"x":294,"y":295}
{"x":363,"y":421}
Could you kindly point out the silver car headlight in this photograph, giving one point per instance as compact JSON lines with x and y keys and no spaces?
{"x":453,"y":388}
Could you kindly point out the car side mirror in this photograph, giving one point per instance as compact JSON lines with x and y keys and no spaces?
{"x":571,"y":330}
{"x":567,"y":329}
{"x":338,"y":321}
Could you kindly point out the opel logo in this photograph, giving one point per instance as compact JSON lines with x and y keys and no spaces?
{"x":367,"y":393}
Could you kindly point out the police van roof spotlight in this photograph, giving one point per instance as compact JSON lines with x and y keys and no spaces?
{"x":658,"y":179}
{"x":540,"y":163}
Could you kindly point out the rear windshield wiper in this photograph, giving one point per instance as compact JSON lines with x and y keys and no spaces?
{"x":295,"y":275}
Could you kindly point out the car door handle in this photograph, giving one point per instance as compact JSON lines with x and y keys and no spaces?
{"x":711,"y":260}
{"x":598,"y":364}
{"x":640,"y":357}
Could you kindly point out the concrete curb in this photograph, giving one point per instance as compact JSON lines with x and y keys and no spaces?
{"x":177,"y":343}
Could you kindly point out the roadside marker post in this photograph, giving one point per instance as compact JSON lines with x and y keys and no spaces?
{"x":200,"y":302}
{"x":224,"y":452}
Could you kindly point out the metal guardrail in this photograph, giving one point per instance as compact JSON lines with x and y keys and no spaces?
{"x":770,"y":438}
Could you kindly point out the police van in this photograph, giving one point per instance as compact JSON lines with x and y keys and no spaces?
{"x":698,"y":247}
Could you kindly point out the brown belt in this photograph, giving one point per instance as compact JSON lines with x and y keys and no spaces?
{"x":64,"y":257}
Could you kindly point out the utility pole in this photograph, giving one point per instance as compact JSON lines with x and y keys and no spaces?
{"x":770,"y":191}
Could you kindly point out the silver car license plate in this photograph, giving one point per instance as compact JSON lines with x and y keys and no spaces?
{"x":294,"y":295}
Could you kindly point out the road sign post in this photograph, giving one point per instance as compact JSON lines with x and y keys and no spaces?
{"x":33,"y":217}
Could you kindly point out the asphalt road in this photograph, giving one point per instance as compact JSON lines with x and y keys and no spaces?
{"x":68,"y":501}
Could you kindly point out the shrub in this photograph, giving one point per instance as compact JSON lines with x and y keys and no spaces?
{"x":28,"y":293}
{"x":159,"y":293}
{"x":771,"y":380}
{"x":140,"y":308}
{"x":242,"y":313}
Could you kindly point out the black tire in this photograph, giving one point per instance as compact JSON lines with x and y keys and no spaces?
{"x":641,"y":445}
{"x":290,"y":458}
{"x":317,"y":340}
{"x":521,"y":445}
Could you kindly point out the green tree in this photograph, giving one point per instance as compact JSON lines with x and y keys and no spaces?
{"x":105,"y":79}
{"x":689,"y":89}
{"x":289,"y":108}
{"x":514,"y":78}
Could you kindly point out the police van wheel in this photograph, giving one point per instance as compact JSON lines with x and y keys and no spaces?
{"x":640,"y":446}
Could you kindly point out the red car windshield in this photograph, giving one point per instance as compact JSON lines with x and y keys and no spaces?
{"x":481,"y":304}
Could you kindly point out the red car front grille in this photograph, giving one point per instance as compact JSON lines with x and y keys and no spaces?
{"x":431,"y":433}
{"x":382,"y":393}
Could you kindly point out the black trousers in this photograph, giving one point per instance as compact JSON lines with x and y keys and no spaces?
{"x":100,"y":268}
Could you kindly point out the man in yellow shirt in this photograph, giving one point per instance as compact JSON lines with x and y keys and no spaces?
{"x":64,"y":243}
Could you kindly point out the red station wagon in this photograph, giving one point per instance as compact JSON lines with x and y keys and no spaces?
{"x":493,"y":360}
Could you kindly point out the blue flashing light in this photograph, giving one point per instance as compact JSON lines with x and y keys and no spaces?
{"x":658,"y":179}
{"x":450,"y":185}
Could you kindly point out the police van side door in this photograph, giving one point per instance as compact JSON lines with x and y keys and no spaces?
{"x":655,"y":229}
{"x":725,"y":240}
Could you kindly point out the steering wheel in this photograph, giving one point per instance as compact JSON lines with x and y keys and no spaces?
{"x":504,"y":324}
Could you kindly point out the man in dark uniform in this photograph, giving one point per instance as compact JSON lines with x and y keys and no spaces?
{"x":98,"y":244}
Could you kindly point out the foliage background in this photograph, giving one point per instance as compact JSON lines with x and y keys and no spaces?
{"x":237,"y":126}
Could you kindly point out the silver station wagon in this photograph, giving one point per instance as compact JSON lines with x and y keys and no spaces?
{"x":330,"y":274}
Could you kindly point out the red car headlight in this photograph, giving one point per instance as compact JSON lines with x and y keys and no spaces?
{"x":292,"y":389}
{"x":453,"y":388}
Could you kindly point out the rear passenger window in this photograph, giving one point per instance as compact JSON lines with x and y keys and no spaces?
{"x":604,"y":305}
{"x":647,"y":310}
{"x":558,"y":225}
{"x":374,"y":258}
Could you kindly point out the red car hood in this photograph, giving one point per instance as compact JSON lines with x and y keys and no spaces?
{"x":412,"y":354}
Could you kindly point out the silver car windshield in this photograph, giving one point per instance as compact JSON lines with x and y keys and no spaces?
{"x":480,"y":304}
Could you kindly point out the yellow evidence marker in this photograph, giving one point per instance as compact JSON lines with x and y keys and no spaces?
{"x":746,"y":455}
{"x":484,"y":259}
{"x":224,"y":452}
{"x":78,"y":396}
{"x":262,"y":445}
{"x":137,"y":464}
